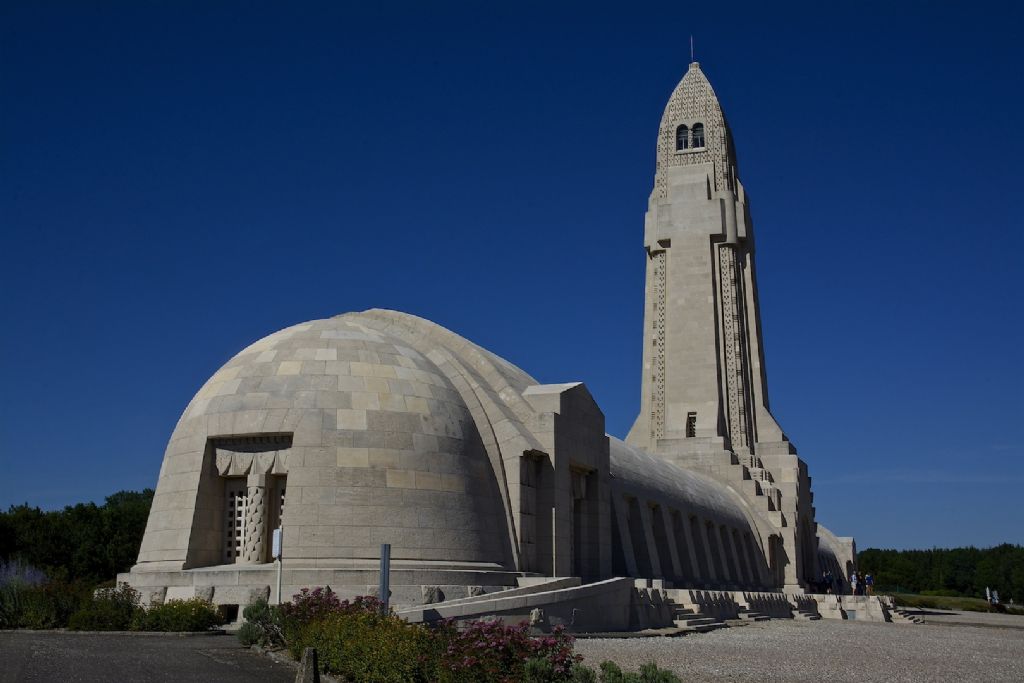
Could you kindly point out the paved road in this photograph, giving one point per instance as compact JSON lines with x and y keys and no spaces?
{"x":87,"y":657}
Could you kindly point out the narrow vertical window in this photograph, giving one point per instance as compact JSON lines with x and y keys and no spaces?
{"x":234,"y":530}
{"x":698,"y":135}
{"x":682,"y":137}
{"x":691,"y":425}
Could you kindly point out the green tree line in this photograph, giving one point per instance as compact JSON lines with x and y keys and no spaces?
{"x":948,"y":571}
{"x":84,"y":542}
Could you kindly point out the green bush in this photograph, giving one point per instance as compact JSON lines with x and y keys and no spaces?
{"x":48,"y":605}
{"x":649,"y":673}
{"x":108,"y":609}
{"x":582,"y":674}
{"x":357,"y":641}
{"x":369,"y":647}
{"x":263,"y":625}
{"x":249,"y":634}
{"x":539,"y":670}
{"x":195,"y":614}
{"x":10,"y":605}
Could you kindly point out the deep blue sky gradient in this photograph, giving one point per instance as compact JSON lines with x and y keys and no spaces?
{"x":180,"y":179}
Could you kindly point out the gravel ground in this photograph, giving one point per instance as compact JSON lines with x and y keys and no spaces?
{"x":783,"y":650}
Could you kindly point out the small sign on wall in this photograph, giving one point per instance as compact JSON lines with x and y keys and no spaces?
{"x":275,"y":547}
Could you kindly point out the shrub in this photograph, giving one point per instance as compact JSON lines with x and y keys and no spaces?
{"x":249,"y":634}
{"x":491,"y":651}
{"x":10,"y":605}
{"x":195,"y":614}
{"x":582,"y":674}
{"x":356,"y":641}
{"x":263,"y":625}
{"x":649,"y":673}
{"x":543,"y":671}
{"x":51,"y":604}
{"x":369,"y":646}
{"x":109,"y":609}
{"x":29,"y":600}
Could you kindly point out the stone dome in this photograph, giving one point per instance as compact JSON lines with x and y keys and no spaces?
{"x":371,"y":442}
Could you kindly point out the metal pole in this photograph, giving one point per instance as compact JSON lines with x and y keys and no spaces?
{"x":384,"y":591}
{"x":279,"y":563}
{"x":277,"y":549}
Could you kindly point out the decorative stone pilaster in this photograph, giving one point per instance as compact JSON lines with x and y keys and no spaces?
{"x":255,"y":540}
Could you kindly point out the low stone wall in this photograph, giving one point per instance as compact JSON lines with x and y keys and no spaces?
{"x":241,"y":584}
{"x":854,"y":607}
{"x":611,"y":605}
{"x":774,"y":605}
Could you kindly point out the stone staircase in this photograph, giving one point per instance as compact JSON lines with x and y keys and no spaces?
{"x":750,"y":615}
{"x":687,"y":620}
{"x":701,"y":610}
{"x":805,"y":614}
{"x":902,"y":616}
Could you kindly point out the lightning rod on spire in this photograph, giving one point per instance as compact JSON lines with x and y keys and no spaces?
{"x":691,"y":47}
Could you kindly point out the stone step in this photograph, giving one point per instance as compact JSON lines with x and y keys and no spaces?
{"x":803,"y":615}
{"x":754,"y":616}
{"x":695,"y":621}
{"x":901,"y":617}
{"x":711,"y":625}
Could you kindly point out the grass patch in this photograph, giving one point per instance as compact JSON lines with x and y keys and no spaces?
{"x":960,"y":604}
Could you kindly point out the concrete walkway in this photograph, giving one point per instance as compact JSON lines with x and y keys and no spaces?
{"x":87,"y":657}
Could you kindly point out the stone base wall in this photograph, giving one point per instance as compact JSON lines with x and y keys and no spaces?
{"x":243,"y":584}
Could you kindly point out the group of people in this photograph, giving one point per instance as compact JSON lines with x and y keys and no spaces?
{"x":860,"y":584}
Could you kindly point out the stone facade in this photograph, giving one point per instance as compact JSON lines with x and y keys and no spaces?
{"x":381,"y":427}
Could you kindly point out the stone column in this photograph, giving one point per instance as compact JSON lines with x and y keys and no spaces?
{"x":620,"y":508}
{"x":254,"y":542}
{"x":716,"y":531}
{"x":748,"y":561}
{"x":708,"y":557}
{"x":653,"y":554}
{"x":673,"y":550}
{"x":691,"y":549}
{"x":742,"y":573}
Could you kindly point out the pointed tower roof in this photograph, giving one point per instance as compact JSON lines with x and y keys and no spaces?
{"x":693,"y":102}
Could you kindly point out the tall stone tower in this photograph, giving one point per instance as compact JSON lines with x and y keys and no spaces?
{"x":704,"y":401}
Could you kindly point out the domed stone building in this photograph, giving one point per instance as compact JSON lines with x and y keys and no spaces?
{"x":382,"y":427}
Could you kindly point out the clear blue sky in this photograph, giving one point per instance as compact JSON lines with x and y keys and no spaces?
{"x":180,"y":179}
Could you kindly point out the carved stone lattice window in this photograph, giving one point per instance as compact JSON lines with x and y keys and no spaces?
{"x":682,"y":137}
{"x":698,"y":135}
{"x":254,"y":470}
{"x":691,"y":425}
{"x":234,"y":523}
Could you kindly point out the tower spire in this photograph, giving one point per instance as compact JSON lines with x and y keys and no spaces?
{"x":691,"y":49}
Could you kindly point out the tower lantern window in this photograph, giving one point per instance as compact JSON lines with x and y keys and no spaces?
{"x":698,"y":135}
{"x":682,"y":137}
